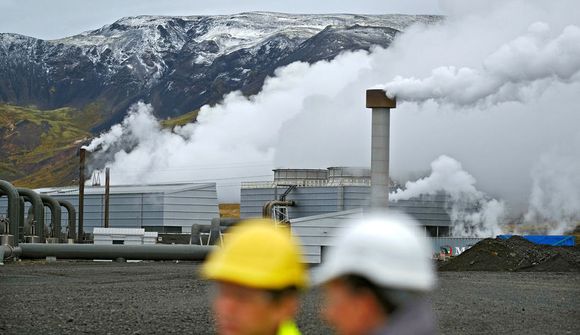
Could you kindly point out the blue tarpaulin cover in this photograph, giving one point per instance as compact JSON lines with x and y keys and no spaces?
{"x":554,"y":240}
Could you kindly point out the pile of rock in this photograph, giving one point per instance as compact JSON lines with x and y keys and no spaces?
{"x":514,"y":254}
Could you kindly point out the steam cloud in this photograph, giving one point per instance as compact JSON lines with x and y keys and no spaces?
{"x":555,"y":197}
{"x":502,"y":100}
{"x":472,"y":213}
{"x":504,"y":75}
{"x":230,"y":142}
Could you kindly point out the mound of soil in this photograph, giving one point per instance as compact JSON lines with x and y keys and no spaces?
{"x":515,"y":254}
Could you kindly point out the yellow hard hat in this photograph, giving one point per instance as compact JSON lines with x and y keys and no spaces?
{"x":257,"y":254}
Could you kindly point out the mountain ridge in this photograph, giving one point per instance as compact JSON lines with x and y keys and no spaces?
{"x":179,"y":63}
{"x":176,"y":63}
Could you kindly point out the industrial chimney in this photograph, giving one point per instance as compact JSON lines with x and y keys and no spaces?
{"x":381,"y":106}
{"x":81,"y":233}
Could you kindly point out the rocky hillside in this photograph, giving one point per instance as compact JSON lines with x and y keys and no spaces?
{"x":40,"y":148}
{"x":77,"y":86}
{"x":178,"y":63}
{"x":37,"y":147}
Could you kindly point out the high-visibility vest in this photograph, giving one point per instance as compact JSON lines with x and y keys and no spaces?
{"x":288,"y":328}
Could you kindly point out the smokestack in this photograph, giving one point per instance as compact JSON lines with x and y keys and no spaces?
{"x":381,"y":106}
{"x":81,"y":234}
{"x":107,"y":178}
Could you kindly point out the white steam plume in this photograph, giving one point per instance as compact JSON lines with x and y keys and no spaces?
{"x":540,"y":54}
{"x":105,"y":140}
{"x":230,"y":142}
{"x":314,"y":115}
{"x":498,"y":127}
{"x":472,"y":213}
{"x":555,"y":197}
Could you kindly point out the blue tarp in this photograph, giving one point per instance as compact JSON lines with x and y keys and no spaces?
{"x":554,"y":240}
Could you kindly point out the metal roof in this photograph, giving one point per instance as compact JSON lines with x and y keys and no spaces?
{"x":127,"y":189}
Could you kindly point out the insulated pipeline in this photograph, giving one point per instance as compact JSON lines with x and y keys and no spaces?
{"x":13,"y":208}
{"x":38,"y":209}
{"x":72,"y":217}
{"x":55,"y":214}
{"x":92,"y":251}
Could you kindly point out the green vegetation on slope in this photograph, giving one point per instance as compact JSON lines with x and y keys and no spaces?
{"x":180,"y":120}
{"x":39,"y":148}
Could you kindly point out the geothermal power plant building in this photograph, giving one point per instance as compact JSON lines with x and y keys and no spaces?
{"x":167,"y":208}
{"x":316,"y":202}
{"x":319,"y":202}
{"x":336,"y":189}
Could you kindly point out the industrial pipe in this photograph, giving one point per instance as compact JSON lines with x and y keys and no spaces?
{"x":3,"y":225}
{"x":91,"y":251}
{"x":38,"y":209}
{"x":72,"y":218}
{"x":381,"y":106}
{"x":8,"y":251}
{"x":55,"y":215}
{"x":213,"y":231}
{"x":13,"y":208}
{"x":223,"y":223}
{"x":195,"y":237}
{"x":21,"y":224}
{"x":30,"y":222}
{"x":267,"y":209}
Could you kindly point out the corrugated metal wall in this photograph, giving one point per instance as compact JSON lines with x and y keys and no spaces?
{"x":195,"y":204}
{"x":185,"y":208}
{"x":127,"y":210}
{"x":429,"y":210}
{"x":253,"y":199}
{"x":317,"y":232}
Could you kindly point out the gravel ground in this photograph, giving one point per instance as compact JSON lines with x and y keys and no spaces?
{"x":169,"y":298}
{"x":508,"y":302}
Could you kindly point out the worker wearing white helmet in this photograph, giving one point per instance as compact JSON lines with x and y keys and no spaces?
{"x":376,"y":278}
{"x":258,"y":274}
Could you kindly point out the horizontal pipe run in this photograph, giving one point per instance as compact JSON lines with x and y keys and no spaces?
{"x":8,"y":251}
{"x":111,"y":252}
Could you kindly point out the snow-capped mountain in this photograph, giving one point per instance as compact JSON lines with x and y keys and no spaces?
{"x":179,"y":63}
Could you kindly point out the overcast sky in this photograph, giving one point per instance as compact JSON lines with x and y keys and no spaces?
{"x":50,"y":19}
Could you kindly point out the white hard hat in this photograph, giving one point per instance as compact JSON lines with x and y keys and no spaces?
{"x":387,"y":249}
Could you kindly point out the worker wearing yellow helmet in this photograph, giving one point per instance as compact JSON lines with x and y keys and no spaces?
{"x":258,"y":274}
